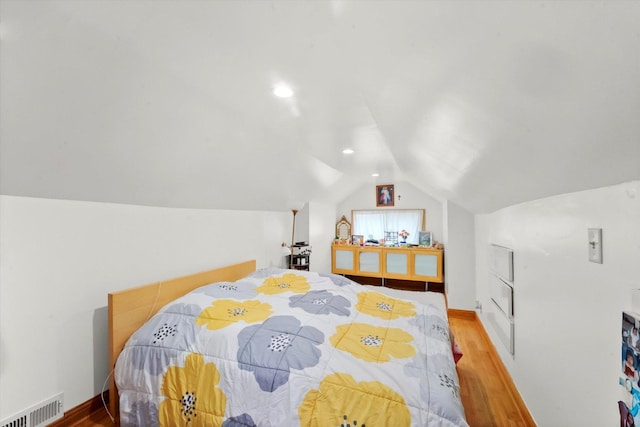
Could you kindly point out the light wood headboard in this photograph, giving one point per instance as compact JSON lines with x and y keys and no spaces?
{"x":131,"y":308}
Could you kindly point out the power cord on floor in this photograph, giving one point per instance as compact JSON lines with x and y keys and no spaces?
{"x":104,"y":403}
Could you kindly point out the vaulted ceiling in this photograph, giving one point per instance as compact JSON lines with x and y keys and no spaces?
{"x":170,"y":103}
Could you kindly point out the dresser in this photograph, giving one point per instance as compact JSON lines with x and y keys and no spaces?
{"x":389,"y":266}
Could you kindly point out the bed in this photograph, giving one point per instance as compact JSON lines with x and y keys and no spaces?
{"x":244,"y":347}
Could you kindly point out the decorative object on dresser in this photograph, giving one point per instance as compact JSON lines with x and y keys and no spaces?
{"x":343,"y":230}
{"x":424,"y":239}
{"x":357,"y":240}
{"x":390,"y":238}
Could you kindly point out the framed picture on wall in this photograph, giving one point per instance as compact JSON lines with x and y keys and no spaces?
{"x":384,"y":195}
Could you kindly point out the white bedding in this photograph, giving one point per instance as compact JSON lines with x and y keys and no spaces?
{"x":434,"y":298}
{"x":292,"y":348}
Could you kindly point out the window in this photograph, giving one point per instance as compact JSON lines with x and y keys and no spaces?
{"x":372,"y":224}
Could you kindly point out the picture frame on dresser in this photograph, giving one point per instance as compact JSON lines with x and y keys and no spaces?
{"x":424,"y":239}
{"x":357,"y":239}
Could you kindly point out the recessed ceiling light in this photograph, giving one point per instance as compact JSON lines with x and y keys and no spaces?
{"x":283,"y":91}
{"x":347,"y":151}
{"x":375,"y":174}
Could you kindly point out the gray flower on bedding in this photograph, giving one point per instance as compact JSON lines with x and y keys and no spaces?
{"x":170,"y":329}
{"x":449,"y":382}
{"x":417,"y":366}
{"x":272,"y":349}
{"x":171,"y":325}
{"x":237,"y":290}
{"x":243,"y":420}
{"x":337,"y":279}
{"x":142,"y":413}
{"x":321,"y":302}
{"x":189,"y":310}
{"x":432,"y":326}
{"x":152,"y":360}
{"x":437,"y":379}
{"x":431,"y":363}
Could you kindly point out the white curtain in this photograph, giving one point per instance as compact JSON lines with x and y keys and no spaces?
{"x":373,"y":224}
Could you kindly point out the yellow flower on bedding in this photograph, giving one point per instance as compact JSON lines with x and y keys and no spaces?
{"x":288,"y":282}
{"x":191,"y":396}
{"x":340,"y":401}
{"x":379,"y":305}
{"x":223,"y":312}
{"x":373,"y":343}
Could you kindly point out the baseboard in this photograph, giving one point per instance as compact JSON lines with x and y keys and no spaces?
{"x":81,"y":412}
{"x":462,"y":314}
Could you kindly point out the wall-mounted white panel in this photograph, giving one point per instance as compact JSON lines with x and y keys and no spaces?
{"x":501,"y":293}
{"x":502,"y":326}
{"x":502,"y":263}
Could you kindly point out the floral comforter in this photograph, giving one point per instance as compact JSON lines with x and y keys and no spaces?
{"x":289,"y":348}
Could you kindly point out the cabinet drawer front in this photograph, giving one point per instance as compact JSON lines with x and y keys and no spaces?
{"x":397,"y":263}
{"x":426,"y":265}
{"x":369,"y":262}
{"x":344,"y":260}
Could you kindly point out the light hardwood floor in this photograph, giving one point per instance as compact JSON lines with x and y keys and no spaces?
{"x":487,"y":391}
{"x":488,"y":394}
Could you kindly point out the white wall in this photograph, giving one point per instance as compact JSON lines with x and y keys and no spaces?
{"x":567,"y":309}
{"x":322,"y":230}
{"x":459,"y":256}
{"x":302,"y":225}
{"x":410,"y":198}
{"x":61,"y":258}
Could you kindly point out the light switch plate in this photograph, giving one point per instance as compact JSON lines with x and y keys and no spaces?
{"x":595,"y":245}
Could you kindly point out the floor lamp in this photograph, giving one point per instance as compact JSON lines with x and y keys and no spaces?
{"x":293,"y":234}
